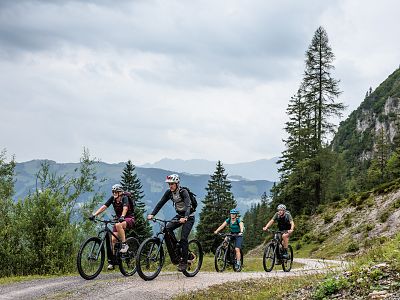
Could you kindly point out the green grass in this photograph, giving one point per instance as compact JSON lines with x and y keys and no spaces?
{"x":15,"y":279}
{"x":254,"y":289}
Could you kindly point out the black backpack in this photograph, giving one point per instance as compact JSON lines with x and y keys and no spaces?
{"x":193,"y":200}
{"x":131,"y":200}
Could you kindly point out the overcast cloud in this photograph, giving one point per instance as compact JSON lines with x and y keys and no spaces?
{"x":144,"y":80}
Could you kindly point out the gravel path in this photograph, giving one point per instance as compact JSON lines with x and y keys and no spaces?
{"x":166,"y":285}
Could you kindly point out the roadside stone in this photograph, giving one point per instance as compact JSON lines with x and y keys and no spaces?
{"x":378,"y":295}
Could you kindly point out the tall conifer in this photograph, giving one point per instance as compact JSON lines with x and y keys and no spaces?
{"x":132,"y":184}
{"x":217,"y":204}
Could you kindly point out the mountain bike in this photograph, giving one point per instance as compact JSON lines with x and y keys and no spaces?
{"x":273,"y":253}
{"x":226,"y":254}
{"x":91,"y":255}
{"x":150,"y":258}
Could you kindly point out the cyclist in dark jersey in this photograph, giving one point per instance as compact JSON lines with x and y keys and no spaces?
{"x":285,"y":223}
{"x":235,"y":226}
{"x":185,"y":214}
{"x":123,"y":211}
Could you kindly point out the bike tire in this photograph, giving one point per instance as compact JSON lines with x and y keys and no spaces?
{"x":147,"y":264}
{"x":287,"y":262}
{"x":220,"y":259}
{"x":195,"y":259}
{"x":127,"y":261}
{"x":235,"y":268}
{"x":90,"y":259}
{"x":269,"y":257}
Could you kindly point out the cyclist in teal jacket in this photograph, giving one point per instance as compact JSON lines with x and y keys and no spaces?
{"x":236,"y":226}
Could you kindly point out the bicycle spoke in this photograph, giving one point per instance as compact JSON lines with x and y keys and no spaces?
{"x":269,"y":257}
{"x":150,"y":259}
{"x":90,"y":258}
{"x":128,"y":260}
{"x":195,"y":259}
{"x":220,"y":259}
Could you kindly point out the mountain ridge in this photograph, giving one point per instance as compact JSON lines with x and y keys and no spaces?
{"x":264,"y":169}
{"x":246,"y":192}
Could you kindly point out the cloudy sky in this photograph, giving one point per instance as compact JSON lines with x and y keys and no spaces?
{"x":144,"y":80}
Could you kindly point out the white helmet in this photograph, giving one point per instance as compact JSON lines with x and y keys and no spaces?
{"x":173,"y":178}
{"x":117,"y":188}
{"x":281,"y":206}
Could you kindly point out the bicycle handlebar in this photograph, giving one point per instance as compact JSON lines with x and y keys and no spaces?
{"x":164,"y":221}
{"x":112,"y":222}
{"x":277,"y":231}
{"x":228,"y":234}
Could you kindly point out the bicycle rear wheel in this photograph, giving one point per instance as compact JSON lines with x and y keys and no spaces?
{"x":127,"y":261}
{"x":269,"y":257}
{"x":220,"y":259}
{"x":287,"y":262}
{"x":150,"y":259}
{"x":90,"y":258}
{"x":195,"y":259}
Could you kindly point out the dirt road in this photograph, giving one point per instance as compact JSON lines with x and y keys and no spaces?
{"x":167,"y":284}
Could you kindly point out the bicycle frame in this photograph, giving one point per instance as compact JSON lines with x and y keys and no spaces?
{"x":277,"y":240}
{"x":105,"y":235}
{"x":230,"y":253}
{"x":164,"y":235}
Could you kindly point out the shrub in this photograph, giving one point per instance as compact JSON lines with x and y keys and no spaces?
{"x":330,"y":286}
{"x":328,"y":217}
{"x":298,"y":245}
{"x":307,"y":238}
{"x":353,"y":247}
{"x":384,"y":216}
{"x":321,"y":238}
{"x":369,"y":227}
{"x":347,"y":221}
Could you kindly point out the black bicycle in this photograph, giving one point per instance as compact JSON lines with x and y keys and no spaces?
{"x":273,"y":253}
{"x":226,"y":254}
{"x":91,"y":255}
{"x":150,"y":258}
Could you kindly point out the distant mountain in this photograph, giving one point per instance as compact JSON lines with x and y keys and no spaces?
{"x":265,"y":169}
{"x":246,"y":192}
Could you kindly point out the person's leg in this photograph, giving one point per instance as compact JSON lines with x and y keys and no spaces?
{"x":111,"y":261}
{"x":285,"y":240}
{"x":285,"y":243}
{"x":171,"y":226}
{"x":121,"y":231}
{"x":238,"y":246}
{"x":186,"y":228}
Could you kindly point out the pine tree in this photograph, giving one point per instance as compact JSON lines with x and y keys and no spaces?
{"x":217,"y":204}
{"x":132,"y":184}
{"x":297,"y":143}
{"x":320,"y":90}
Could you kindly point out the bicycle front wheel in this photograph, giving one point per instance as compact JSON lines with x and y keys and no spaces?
{"x":127,"y":261}
{"x":195,"y":259}
{"x":287,"y":262}
{"x":150,"y":259}
{"x":269,"y":257}
{"x":220,"y":259}
{"x":90,"y":258}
